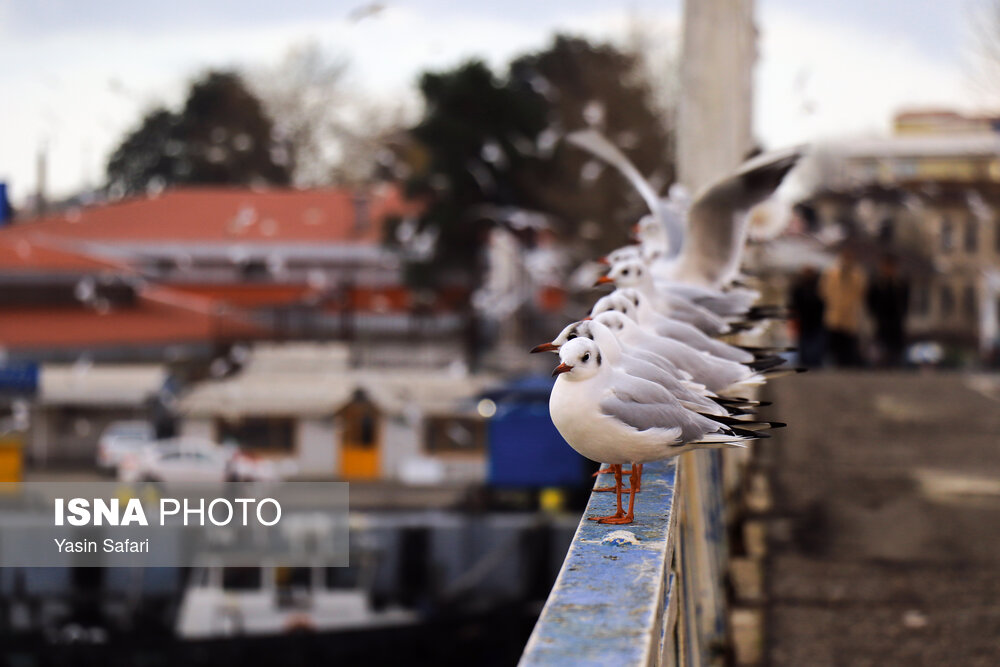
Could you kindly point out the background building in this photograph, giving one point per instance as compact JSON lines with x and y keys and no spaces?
{"x":928,"y":194}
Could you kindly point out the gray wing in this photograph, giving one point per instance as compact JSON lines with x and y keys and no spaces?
{"x":695,"y":315}
{"x":665,"y":210}
{"x":713,"y":372}
{"x":632,"y":409}
{"x":730,"y":303}
{"x":596,"y":143}
{"x":717,"y":222}
{"x":680,"y":389}
{"x":694,"y":337}
{"x":657,"y":360}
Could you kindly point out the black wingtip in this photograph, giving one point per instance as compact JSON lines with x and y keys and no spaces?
{"x":766,"y":351}
{"x":752,"y":425}
{"x":766,"y":363}
{"x":746,"y":433}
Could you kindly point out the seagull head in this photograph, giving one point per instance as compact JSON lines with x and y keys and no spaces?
{"x":580,"y":359}
{"x":615,"y":301}
{"x":653,"y":254}
{"x":650,"y":231}
{"x":630,"y":273}
{"x":574,"y":330}
{"x":616,"y":321}
{"x":633,"y":297}
{"x":622,"y":254}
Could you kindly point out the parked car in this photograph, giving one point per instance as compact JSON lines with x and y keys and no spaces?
{"x":122,"y":438}
{"x":179,"y":460}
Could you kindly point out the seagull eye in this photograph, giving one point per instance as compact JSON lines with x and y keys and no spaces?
{"x":585,"y":358}
{"x":625,"y":272}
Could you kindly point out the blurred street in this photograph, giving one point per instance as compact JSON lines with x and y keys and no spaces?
{"x":887,"y":496}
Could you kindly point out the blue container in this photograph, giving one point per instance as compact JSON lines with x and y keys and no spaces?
{"x":19,"y":378}
{"x":5,"y":210}
{"x":525,"y":448}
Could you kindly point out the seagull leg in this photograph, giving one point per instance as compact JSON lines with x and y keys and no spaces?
{"x":619,"y":512}
{"x":628,"y":517}
{"x":605,"y":489}
{"x":636,"y":481}
{"x":603,"y":471}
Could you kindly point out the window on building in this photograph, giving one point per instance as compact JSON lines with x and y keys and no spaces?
{"x":255,"y":270}
{"x":969,"y":302}
{"x":947,"y":234}
{"x":947,"y":301}
{"x":971,"y":234}
{"x":259,"y":433}
{"x":445,"y":435}
{"x":164,"y":266}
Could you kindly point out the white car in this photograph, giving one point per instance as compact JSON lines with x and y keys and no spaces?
{"x":193,"y":460}
{"x":180,"y":460}
{"x":122,"y":438}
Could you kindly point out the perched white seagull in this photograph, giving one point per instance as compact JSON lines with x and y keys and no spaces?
{"x":632,"y":304}
{"x":635,"y":274}
{"x":718,"y":374}
{"x":611,"y":417}
{"x":639,"y":362}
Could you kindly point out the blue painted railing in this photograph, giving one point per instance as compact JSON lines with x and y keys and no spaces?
{"x":646,"y":593}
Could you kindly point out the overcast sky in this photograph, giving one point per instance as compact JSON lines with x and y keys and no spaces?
{"x":77,"y":75}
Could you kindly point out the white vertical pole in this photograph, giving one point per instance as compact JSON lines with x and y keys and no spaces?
{"x":715,"y":120}
{"x":714,"y":134}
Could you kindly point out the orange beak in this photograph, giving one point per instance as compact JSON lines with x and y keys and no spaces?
{"x":544,"y":347}
{"x":604,"y":261}
{"x":603,"y":280}
{"x":561,"y":368}
{"x":588,"y":317}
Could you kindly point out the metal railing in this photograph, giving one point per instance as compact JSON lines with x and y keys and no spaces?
{"x":646,"y":593}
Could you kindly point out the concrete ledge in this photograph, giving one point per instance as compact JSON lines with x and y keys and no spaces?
{"x":612,"y":603}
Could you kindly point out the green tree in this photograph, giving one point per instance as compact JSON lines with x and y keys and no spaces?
{"x":490,"y":141}
{"x":474,"y":131}
{"x":220,"y":136}
{"x":596,"y":86}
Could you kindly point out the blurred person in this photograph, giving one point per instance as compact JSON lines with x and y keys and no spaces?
{"x":807,"y":308}
{"x":888,"y":299}
{"x":842,"y":288}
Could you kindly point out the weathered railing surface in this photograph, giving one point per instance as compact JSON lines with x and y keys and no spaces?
{"x":646,"y":593}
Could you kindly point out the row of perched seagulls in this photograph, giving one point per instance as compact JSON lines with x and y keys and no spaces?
{"x":645,"y":376}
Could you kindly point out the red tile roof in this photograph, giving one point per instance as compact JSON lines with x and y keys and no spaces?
{"x":178,"y":313}
{"x":225,"y":214}
{"x":26,"y":252}
{"x":159,"y":318}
